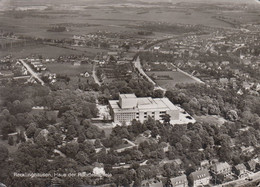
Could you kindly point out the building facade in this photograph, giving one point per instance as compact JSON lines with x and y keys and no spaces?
{"x":240,"y":170}
{"x":180,"y":181}
{"x":130,"y":107}
{"x":222,"y":168}
{"x":200,"y":178}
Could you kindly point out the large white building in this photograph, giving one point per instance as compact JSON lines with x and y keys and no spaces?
{"x":130,"y":107}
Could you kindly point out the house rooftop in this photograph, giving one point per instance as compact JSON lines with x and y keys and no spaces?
{"x":220,"y":166}
{"x":152,"y":183}
{"x":179,"y":180}
{"x":200,"y":174}
{"x":240,"y":167}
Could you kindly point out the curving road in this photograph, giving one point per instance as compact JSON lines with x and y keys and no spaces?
{"x":138,"y":66}
{"x":94,"y":75}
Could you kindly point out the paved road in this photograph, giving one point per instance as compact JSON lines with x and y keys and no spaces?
{"x":138,"y":66}
{"x":242,"y":182}
{"x":94,"y":75}
{"x":189,"y":75}
{"x":35,"y":75}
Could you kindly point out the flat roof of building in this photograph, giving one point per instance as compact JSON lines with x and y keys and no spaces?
{"x":145,"y":104}
{"x":127,"y":96}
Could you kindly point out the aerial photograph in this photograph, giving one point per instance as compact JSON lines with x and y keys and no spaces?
{"x":129,"y":93}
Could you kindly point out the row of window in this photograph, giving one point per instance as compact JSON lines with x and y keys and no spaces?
{"x":151,"y":116}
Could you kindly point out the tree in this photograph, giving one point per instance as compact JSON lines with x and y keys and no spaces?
{"x":232,"y":115}
{"x":137,"y":182}
{"x":72,"y":149}
{"x":71,"y":133}
{"x":81,"y":137}
{"x":4,"y":153}
{"x":214,"y":110}
{"x":83,"y":158}
{"x":225,"y":154}
{"x":135,"y":166}
{"x":166,"y":118}
{"x":220,"y":179}
{"x":247,"y":116}
{"x":31,"y":130}
{"x":11,"y":140}
{"x":158,"y":93}
{"x":97,"y":143}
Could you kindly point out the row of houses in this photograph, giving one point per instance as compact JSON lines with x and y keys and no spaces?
{"x":205,"y":176}
{"x":195,"y":179}
{"x":38,"y":66}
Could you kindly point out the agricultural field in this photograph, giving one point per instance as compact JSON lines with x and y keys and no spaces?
{"x":68,"y":68}
{"x":112,"y":19}
{"x":43,"y":50}
{"x":168,"y":79}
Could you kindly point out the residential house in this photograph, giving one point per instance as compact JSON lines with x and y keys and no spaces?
{"x":225,"y":63}
{"x":236,"y":71}
{"x":77,"y":63}
{"x":177,"y":162}
{"x":156,"y":47}
{"x":257,"y":88}
{"x":223,"y":81}
{"x":251,"y":165}
{"x":180,"y":181}
{"x":246,"y":62}
{"x":200,"y":178}
{"x":204,"y":163}
{"x":114,"y":46}
{"x":112,"y":53}
{"x":247,"y":85}
{"x":152,"y":183}
{"x":247,"y":150}
{"x":221,"y":168}
{"x":240,"y":170}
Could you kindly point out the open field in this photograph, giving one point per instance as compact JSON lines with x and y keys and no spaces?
{"x":113,"y":19}
{"x":168,"y":79}
{"x":44,"y":50}
{"x":68,"y":68}
{"x":106,"y":14}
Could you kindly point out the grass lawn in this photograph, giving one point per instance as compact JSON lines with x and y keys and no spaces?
{"x":212,"y":119}
{"x":68,"y":68}
{"x":106,"y":127}
{"x":175,"y":77}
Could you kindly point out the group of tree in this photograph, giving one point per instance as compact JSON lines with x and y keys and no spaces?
{"x":203,"y":100}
